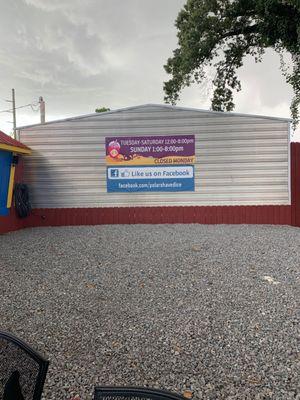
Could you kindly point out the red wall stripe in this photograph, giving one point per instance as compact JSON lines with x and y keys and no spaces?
{"x":152,"y":215}
{"x":277,"y":215}
{"x":295,"y":183}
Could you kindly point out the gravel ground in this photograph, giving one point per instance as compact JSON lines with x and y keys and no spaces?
{"x":210,"y":309}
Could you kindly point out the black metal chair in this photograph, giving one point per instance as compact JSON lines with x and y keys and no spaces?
{"x":22,"y":370}
{"x":133,"y":393}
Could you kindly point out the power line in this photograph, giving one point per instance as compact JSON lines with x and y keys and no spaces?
{"x":35,"y":107}
{"x":26,"y":105}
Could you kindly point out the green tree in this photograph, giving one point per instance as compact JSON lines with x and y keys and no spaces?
{"x":102,"y":109}
{"x":220,"y":33}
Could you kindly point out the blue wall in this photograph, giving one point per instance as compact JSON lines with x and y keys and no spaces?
{"x":5,"y":164}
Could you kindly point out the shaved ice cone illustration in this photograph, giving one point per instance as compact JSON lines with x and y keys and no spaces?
{"x":114,"y":149}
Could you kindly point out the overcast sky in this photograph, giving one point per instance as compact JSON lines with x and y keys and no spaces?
{"x":80,"y":55}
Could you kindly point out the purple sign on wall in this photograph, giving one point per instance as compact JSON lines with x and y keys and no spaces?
{"x":150,"y":150}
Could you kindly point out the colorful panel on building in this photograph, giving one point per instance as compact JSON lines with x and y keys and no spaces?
{"x":5,"y":170}
{"x":150,"y":163}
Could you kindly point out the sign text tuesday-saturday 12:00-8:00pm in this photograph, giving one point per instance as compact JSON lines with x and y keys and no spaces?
{"x":150,"y":163}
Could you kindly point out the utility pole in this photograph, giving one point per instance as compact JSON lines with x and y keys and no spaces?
{"x":42,"y":110}
{"x":14,"y":113}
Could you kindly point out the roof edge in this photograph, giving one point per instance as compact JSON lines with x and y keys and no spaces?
{"x":156,"y":105}
{"x":9,"y":143}
{"x":14,"y":149}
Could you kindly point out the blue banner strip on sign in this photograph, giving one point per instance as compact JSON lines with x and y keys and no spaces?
{"x":146,"y":185}
{"x":150,"y":179}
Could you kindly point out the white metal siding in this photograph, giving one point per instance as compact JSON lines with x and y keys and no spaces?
{"x":241,"y":160}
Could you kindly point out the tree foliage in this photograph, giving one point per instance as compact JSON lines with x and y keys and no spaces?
{"x":221,"y":33}
{"x":102,"y":109}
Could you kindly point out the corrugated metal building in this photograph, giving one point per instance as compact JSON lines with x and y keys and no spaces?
{"x":240,"y":159}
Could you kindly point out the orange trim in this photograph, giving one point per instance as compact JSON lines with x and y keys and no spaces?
{"x":11,"y":186}
{"x":15,"y":149}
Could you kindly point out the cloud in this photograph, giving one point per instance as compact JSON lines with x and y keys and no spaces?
{"x":83,"y":54}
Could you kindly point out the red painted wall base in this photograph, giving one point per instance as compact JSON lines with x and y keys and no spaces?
{"x":11,"y":222}
{"x":279,"y":215}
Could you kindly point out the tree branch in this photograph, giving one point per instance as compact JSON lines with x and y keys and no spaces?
{"x":242,"y":31}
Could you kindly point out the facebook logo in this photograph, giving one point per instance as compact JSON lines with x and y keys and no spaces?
{"x":114,"y":173}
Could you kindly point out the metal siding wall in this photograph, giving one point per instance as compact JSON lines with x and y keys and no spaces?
{"x":241,"y":160}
